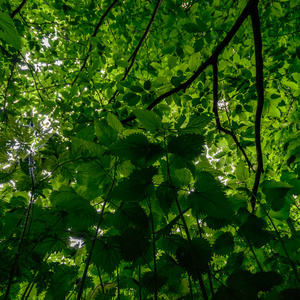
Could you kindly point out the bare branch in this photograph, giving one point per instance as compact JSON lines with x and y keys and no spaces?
{"x":215,"y":110}
{"x":18,"y":9}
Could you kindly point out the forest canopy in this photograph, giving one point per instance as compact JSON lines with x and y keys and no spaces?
{"x":149,"y":149}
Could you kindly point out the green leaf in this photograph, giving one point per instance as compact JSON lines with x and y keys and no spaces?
{"x":191,"y":27}
{"x":165,"y":196}
{"x":114,"y":122}
{"x":294,"y":3}
{"x":187,"y":146}
{"x":134,"y":243}
{"x":209,"y":198}
{"x":147,"y":85}
{"x":107,"y":254}
{"x":131,"y":98}
{"x":149,"y":119}
{"x":137,"y":187}
{"x":242,"y":173}
{"x":105,"y":134}
{"x":194,"y":257}
{"x":136,"y":148}
{"x":196,"y":124}
{"x":254,"y":230}
{"x":8,"y":32}
{"x":148,"y":281}
{"x":275,"y":193}
{"x":130,"y":215}
{"x":224,"y":244}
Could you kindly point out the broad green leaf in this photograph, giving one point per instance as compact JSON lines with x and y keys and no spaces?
{"x":105,"y":134}
{"x":166,"y":195}
{"x":224,"y":244}
{"x":275,"y":193}
{"x":191,"y":27}
{"x":209,"y":198}
{"x":114,"y":122}
{"x":187,"y":146}
{"x":196,"y":124}
{"x":148,"y":281}
{"x":131,"y":98}
{"x":195,"y":256}
{"x":134,"y":244}
{"x":130,"y":215}
{"x":137,"y":187}
{"x":241,"y":171}
{"x":8,"y":32}
{"x":149,"y":119}
{"x":136,"y":148}
{"x":107,"y":254}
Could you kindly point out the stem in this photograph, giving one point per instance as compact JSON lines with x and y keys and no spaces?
{"x":154,"y":252}
{"x":94,"y":240}
{"x":100,"y":278}
{"x":18,"y":253}
{"x":200,"y":279}
{"x":191,"y":288}
{"x":140,"y":290}
{"x":284,"y":248}
{"x":90,"y":254}
{"x":118,"y":283}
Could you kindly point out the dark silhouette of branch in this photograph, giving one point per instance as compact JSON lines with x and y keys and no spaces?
{"x":135,"y":52}
{"x":94,"y":34}
{"x":18,"y":9}
{"x":260,"y":98}
{"x":216,"y":113}
{"x":245,"y":13}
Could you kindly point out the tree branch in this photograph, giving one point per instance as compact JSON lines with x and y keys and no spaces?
{"x":215,"y":111}
{"x":94,"y":34}
{"x":260,"y":97}
{"x":18,"y":9}
{"x":135,"y":52}
{"x":245,"y":13}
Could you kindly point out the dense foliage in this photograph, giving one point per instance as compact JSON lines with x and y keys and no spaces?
{"x":149,"y":149}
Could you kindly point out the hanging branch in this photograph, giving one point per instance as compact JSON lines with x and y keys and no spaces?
{"x":245,"y":13}
{"x":94,"y":34}
{"x":260,"y":97}
{"x":135,"y":52}
{"x":216,"y":113}
{"x":18,"y":9}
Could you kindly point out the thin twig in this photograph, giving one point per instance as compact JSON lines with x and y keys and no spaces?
{"x":93,"y":35}
{"x":135,"y":52}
